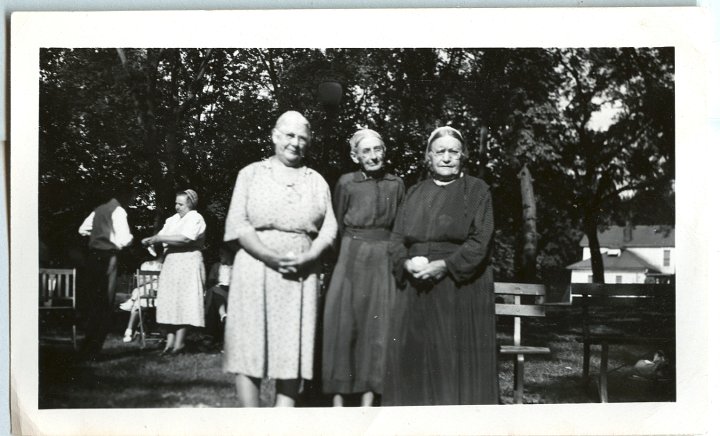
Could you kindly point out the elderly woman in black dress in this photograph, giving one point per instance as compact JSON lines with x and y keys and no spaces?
{"x":442,"y":336}
{"x":357,"y":305}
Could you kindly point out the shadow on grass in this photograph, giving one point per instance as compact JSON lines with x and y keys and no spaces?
{"x":130,"y":377}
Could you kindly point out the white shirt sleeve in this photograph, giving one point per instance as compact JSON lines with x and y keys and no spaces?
{"x":87,"y":225}
{"x":192,"y":225}
{"x":123,"y":237}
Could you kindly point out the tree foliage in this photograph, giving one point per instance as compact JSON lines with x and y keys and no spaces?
{"x":167,"y":119}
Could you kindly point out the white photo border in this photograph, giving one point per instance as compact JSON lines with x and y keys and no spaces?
{"x":684,"y":28}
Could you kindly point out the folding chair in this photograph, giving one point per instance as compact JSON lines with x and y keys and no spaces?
{"x":58,"y":293}
{"x":146,"y":282}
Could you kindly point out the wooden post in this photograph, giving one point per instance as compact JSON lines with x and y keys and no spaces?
{"x":586,"y":338}
{"x":604,"y":372}
{"x":519,"y":378}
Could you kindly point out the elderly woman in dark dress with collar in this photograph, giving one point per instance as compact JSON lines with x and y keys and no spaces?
{"x":359,"y":299}
{"x":442,"y":335}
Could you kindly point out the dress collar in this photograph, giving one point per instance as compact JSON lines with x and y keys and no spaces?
{"x":267,"y":164}
{"x":441,"y":183}
{"x":359,"y":176}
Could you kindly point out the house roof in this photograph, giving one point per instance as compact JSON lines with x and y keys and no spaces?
{"x":642,"y":236}
{"x":626,"y":261}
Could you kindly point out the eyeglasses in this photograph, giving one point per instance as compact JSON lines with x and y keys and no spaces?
{"x":452,"y":152}
{"x":302,"y":139}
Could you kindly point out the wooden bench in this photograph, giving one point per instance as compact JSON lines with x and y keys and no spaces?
{"x":57,"y":292}
{"x":519,"y":307}
{"x":614,"y":314}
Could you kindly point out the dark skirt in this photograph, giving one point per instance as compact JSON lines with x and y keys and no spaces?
{"x":442,"y":345}
{"x":357,"y":309}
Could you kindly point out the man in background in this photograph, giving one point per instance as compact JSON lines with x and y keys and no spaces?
{"x":109,"y":232}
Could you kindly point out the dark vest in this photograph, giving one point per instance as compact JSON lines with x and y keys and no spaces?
{"x":102,"y":226}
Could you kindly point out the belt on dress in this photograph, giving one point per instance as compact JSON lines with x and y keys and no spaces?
{"x":378,"y":234}
{"x":172,"y":250}
{"x":433,"y":250}
{"x":311,"y":235}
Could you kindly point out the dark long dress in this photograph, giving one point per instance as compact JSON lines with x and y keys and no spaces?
{"x":442,"y":335}
{"x":362,"y":287}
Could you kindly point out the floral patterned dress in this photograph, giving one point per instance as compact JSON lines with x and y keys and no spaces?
{"x":270,"y":327}
{"x":182,"y":278}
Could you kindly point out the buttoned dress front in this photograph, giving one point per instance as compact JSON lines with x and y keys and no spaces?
{"x":270,"y":326}
{"x":362,"y":288}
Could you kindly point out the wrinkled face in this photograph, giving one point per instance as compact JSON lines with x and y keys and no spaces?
{"x":370,"y":154}
{"x":446,"y":157}
{"x":291,"y":139}
{"x":181,"y":205}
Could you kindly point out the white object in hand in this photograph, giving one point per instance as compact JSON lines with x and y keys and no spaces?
{"x":419,"y":261}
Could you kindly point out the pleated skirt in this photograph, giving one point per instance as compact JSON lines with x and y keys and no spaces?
{"x":442,"y":347}
{"x":356,"y":318}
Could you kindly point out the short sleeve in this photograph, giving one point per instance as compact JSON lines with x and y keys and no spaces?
{"x":169,"y":225}
{"x":237,"y":221}
{"x":328,"y":231}
{"x":192,"y":226}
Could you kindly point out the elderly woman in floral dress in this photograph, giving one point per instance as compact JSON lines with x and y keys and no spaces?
{"x":282,"y":216}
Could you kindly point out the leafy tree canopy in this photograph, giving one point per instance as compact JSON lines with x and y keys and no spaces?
{"x":594,"y":126}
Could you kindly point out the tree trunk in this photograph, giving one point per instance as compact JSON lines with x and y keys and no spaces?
{"x":528,"y":270}
{"x":590,"y":223}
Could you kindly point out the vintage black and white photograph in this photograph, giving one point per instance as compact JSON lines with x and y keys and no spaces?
{"x":343,"y":226}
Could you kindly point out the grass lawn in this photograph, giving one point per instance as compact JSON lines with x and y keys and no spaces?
{"x":128,"y":376}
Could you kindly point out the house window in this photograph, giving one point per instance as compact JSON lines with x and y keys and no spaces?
{"x":666,"y":257}
{"x":590,"y":278}
{"x":618,"y":279}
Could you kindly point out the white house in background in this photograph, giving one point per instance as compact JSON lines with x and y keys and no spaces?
{"x":631,"y":254}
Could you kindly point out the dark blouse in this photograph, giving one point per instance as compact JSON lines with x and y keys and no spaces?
{"x":452,"y":222}
{"x":367,"y":203}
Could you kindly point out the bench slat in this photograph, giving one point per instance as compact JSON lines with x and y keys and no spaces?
{"x":629,"y":339}
{"x":56,"y":271}
{"x":523,"y":349}
{"x":519,"y":309}
{"x":519,"y":288}
{"x":626,"y":289}
{"x":645,"y":304}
